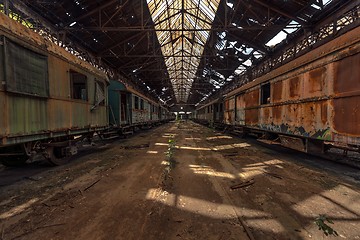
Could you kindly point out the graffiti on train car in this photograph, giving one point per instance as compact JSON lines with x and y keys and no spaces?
{"x":315,"y":97}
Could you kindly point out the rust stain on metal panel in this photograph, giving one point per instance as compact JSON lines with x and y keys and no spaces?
{"x":324,"y":112}
{"x":252,"y":98}
{"x":316,"y":80}
{"x":347,"y":74}
{"x":347,"y":115}
{"x":294,"y":87}
{"x":240,"y":101}
{"x":265,"y":117}
{"x":277,"y":115}
{"x":252,"y":117}
{"x":277,"y":88}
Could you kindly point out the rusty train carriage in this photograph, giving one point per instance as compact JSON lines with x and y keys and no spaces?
{"x":47,"y":96}
{"x":311,"y":100}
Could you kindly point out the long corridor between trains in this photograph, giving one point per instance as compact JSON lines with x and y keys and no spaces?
{"x":181,"y":181}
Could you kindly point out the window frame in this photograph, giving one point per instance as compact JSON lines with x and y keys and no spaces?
{"x":265,"y":88}
{"x":71,"y":73}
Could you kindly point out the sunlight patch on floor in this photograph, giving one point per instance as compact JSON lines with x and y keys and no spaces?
{"x":193,"y":148}
{"x":215,"y":210}
{"x":218,"y":137}
{"x":18,"y":209}
{"x":152,"y":152}
{"x":169,"y":135}
{"x":206,"y":170}
{"x":231,"y":146}
{"x":161,"y":144}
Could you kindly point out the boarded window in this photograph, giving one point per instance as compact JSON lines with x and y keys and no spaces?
{"x":78,"y":85}
{"x":26,"y":70}
{"x":265,"y":94}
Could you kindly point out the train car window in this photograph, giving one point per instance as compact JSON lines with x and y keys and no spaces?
{"x":141,"y":104}
{"x":78,"y":85}
{"x":26,"y":70}
{"x":136,"y":102}
{"x":265,"y":94}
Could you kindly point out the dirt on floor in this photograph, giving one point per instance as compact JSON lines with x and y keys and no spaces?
{"x":181,"y":181}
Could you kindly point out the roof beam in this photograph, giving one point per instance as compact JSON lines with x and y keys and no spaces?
{"x":93,"y":11}
{"x":116,"y":12}
{"x":275,"y":9}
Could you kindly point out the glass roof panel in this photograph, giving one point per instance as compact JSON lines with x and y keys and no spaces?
{"x":182,"y":30}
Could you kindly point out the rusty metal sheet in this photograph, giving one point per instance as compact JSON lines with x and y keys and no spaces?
{"x":347,"y":116}
{"x":229,"y":114}
{"x":252,"y":98}
{"x":252,"y":117}
{"x":277,"y":115}
{"x":315,"y":84}
{"x":347,"y":75}
{"x":277,"y":91}
{"x":265,"y":116}
{"x":295,"y":87}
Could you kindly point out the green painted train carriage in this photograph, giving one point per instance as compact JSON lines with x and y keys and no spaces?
{"x":48,"y":97}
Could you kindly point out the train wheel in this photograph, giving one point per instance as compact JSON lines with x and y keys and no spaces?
{"x":56,"y":156}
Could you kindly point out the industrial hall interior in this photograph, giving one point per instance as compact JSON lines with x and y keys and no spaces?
{"x":179,"y":119}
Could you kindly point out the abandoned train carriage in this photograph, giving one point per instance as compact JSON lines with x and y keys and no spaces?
{"x":47,"y":95}
{"x":312,"y":99}
{"x":129,"y":108}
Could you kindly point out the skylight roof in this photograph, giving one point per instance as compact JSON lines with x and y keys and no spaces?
{"x":182,"y":30}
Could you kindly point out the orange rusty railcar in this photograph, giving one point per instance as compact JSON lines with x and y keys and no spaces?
{"x":47,"y":96}
{"x":306,"y":102}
